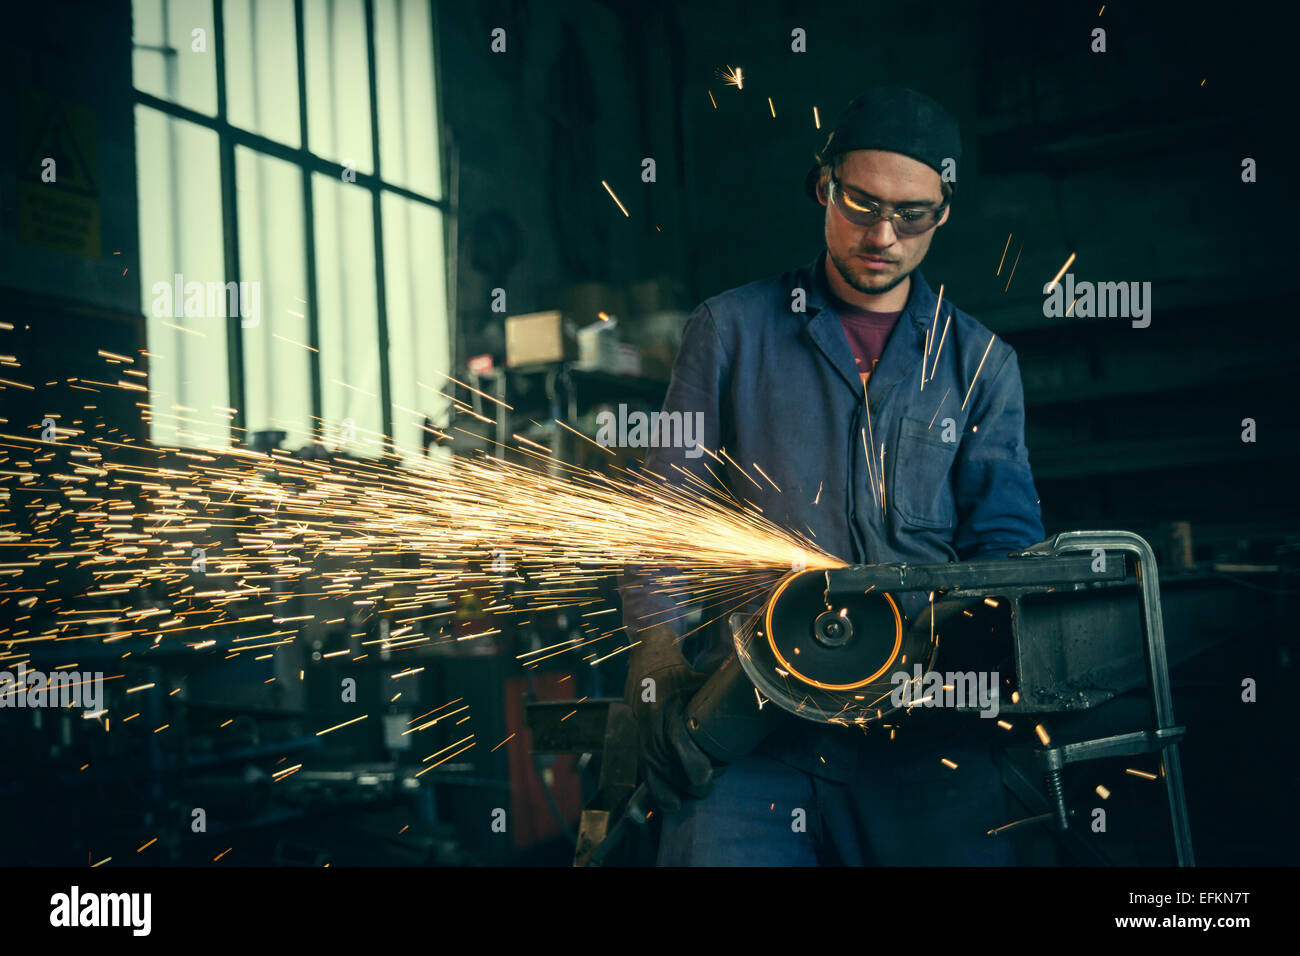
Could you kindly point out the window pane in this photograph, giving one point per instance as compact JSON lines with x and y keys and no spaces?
{"x":416,"y":296}
{"x":182,"y":269}
{"x":277,"y":359}
{"x":338,"y":83}
{"x":345,"y":286}
{"x":169,"y":58}
{"x":262,"y":68}
{"x":408,"y":115}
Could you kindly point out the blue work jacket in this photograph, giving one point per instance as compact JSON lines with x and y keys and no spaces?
{"x":771,"y":371}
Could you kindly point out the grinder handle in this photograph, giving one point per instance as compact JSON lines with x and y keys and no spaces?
{"x":724,"y":718}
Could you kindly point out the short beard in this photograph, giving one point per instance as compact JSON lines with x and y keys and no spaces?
{"x":854,"y":283}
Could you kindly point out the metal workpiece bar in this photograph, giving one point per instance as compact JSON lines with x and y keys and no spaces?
{"x":1153,"y":629}
{"x":1031,"y":571}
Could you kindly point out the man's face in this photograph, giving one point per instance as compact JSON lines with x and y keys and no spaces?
{"x":874,"y":259}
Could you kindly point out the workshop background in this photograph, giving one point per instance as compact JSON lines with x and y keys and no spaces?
{"x":382,"y":173}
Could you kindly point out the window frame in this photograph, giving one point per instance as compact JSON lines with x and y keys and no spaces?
{"x":308,"y":163}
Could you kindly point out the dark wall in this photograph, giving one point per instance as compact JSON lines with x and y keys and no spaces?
{"x":583,"y":92}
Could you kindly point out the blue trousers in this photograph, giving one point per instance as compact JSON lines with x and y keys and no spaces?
{"x":907,"y":809}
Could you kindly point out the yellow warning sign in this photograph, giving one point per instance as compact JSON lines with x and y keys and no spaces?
{"x":58,"y":172}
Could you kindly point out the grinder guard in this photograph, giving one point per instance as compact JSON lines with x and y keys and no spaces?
{"x":830,"y":660}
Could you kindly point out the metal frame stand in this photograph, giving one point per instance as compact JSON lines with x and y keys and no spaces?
{"x":1165,"y":736}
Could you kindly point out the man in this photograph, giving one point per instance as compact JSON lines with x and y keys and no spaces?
{"x":894,"y":435}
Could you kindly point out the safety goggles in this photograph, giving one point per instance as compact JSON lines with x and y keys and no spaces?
{"x":907,"y":221}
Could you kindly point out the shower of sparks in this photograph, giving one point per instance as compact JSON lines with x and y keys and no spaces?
{"x":106,"y":539}
{"x":1057,"y":278}
{"x":1012,"y":275}
{"x":925,"y":357}
{"x":931,"y":616}
{"x":976,"y":376}
{"x":711,"y":99}
{"x":871,"y":467}
{"x":769,"y":480}
{"x":732,"y":77}
{"x":817,"y":119}
{"x":1003,"y":260}
{"x":939,"y":351}
{"x":939,"y":406}
{"x":1018,"y":823}
{"x":771,"y":107}
{"x":882,"y":478}
{"x":615,"y":198}
{"x":1141,"y":773}
{"x":929,"y":337}
{"x":363,"y":538}
{"x":300,"y":345}
{"x":876,"y":471}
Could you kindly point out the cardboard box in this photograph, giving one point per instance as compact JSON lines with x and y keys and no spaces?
{"x":539,"y":338}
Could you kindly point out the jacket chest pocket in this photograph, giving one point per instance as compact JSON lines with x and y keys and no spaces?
{"x":922,"y":489}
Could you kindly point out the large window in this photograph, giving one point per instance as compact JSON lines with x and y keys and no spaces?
{"x":292,"y":262}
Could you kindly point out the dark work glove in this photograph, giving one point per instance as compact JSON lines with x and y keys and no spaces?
{"x":670,"y":762}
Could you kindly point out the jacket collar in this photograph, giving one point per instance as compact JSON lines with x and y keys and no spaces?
{"x":903,"y":350}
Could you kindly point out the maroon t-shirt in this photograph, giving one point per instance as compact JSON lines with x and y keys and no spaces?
{"x":867,"y":332}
